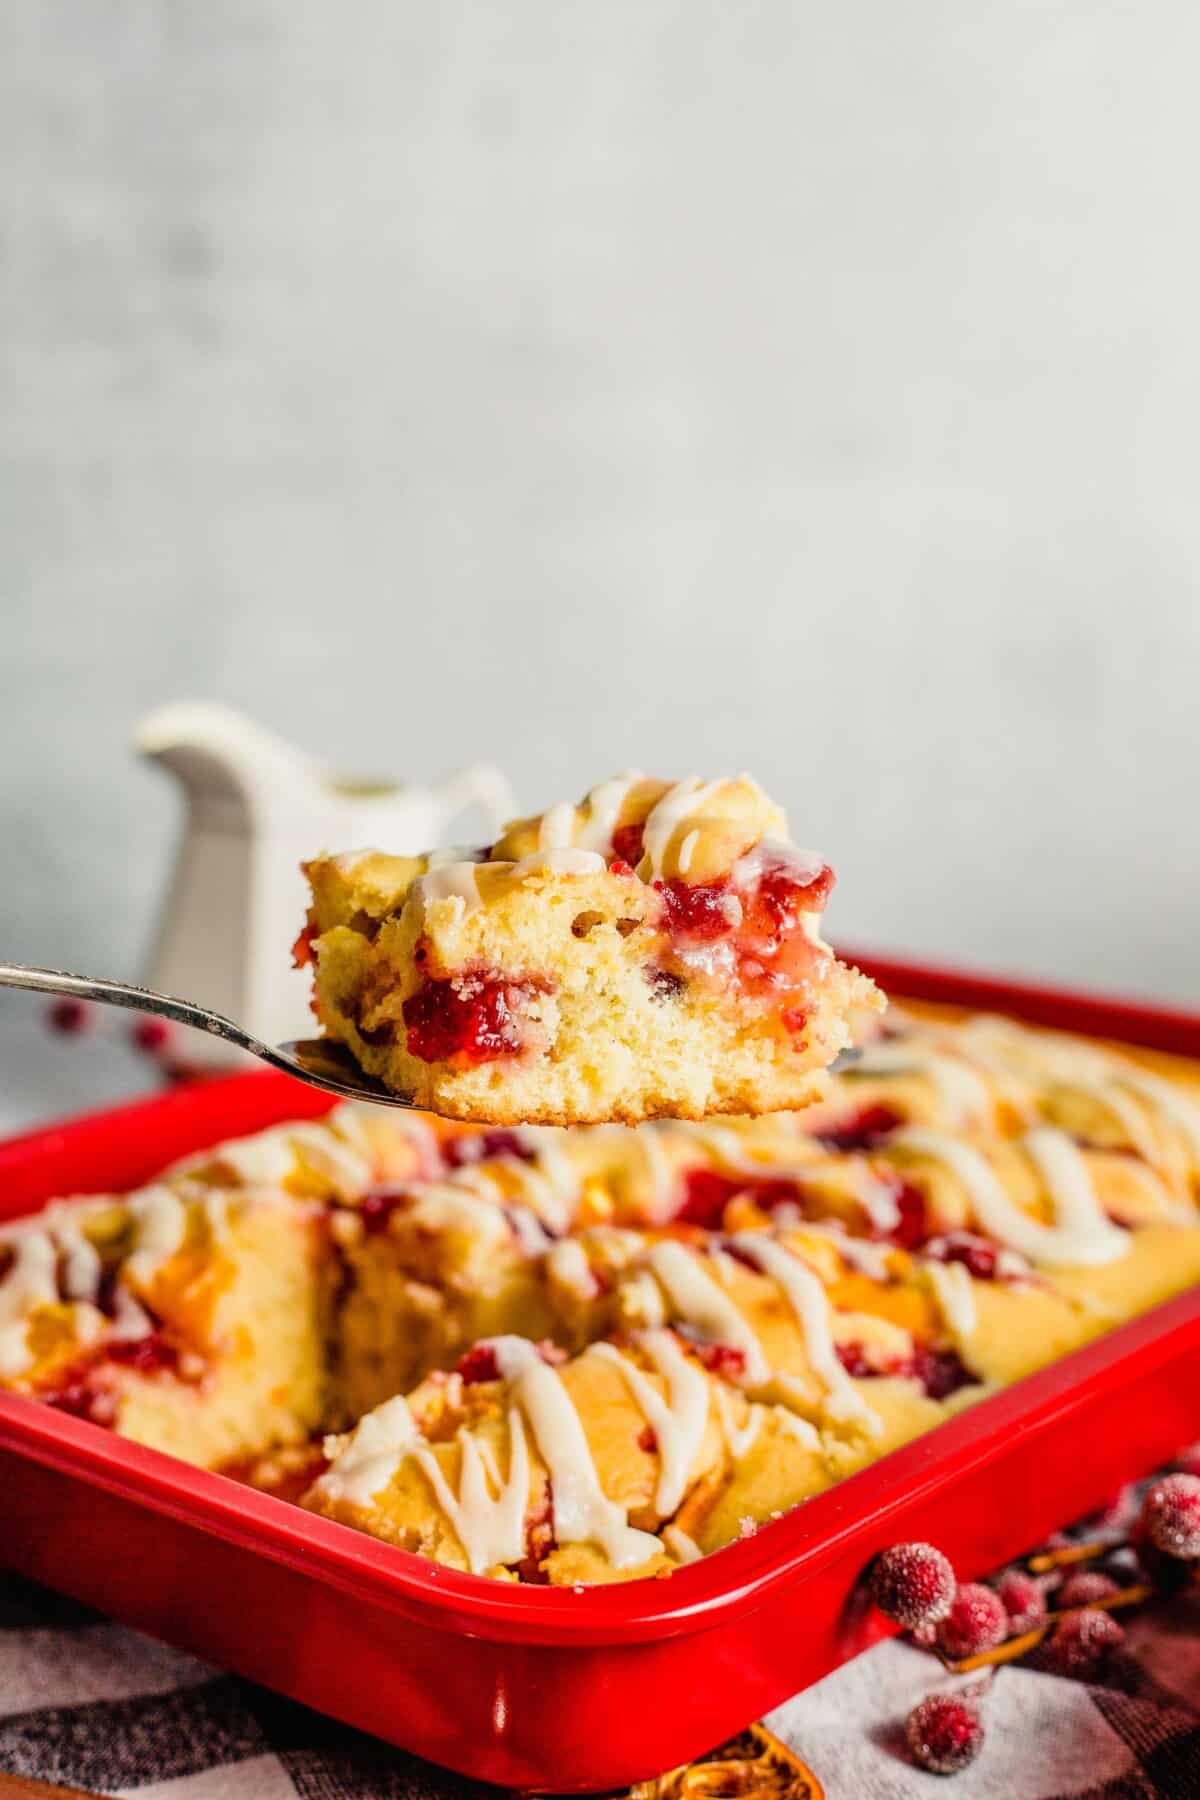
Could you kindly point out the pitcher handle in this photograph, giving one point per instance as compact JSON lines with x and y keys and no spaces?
{"x":482,"y":785}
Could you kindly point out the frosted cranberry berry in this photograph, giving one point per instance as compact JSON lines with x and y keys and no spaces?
{"x":944,"y":1733}
{"x":913,"y":1584}
{"x":69,"y":1017}
{"x":1171,"y":1516}
{"x":1084,"y":1588}
{"x":976,"y":1622}
{"x":1082,"y":1643}
{"x":1022,"y":1599}
{"x":470,"y":1017}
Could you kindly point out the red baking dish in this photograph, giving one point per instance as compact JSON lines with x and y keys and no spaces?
{"x":528,"y":1686}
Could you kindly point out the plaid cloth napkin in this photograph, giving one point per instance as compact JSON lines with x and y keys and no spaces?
{"x":86,"y":1703}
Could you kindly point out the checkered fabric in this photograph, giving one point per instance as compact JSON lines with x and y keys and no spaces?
{"x":85,"y":1703}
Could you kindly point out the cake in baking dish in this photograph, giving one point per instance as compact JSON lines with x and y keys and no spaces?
{"x":652,"y":952}
{"x":587,"y":1354}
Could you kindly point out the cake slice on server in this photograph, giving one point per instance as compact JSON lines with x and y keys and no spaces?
{"x":652,"y":952}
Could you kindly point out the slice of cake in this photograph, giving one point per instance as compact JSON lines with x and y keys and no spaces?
{"x":654,"y":951}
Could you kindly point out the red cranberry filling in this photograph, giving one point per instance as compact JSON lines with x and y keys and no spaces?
{"x":707,"y":1192}
{"x":941,"y":1372}
{"x":82,"y":1389}
{"x":479,"y":1364}
{"x":475,"y":1018}
{"x":862,"y":1129}
{"x":912,"y":1226}
{"x":700,"y":913}
{"x":977,"y":1255}
{"x":750,"y":932}
{"x":302,"y":949}
{"x":482,"y":1146}
{"x":377,"y":1208}
{"x":628,"y":844}
{"x":722,"y":1359}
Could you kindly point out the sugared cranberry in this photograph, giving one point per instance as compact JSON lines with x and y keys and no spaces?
{"x":701,"y":913}
{"x":150,"y":1035}
{"x":628,"y":842}
{"x":941,"y":1372}
{"x":861,"y":1129}
{"x":913,"y":1584}
{"x":1082,"y":1643}
{"x":944,"y":1733}
{"x":472,"y":1017}
{"x":976,"y":1254}
{"x":1083,"y":1588}
{"x":975,"y":1622}
{"x":1022,"y":1599}
{"x":302,"y":949}
{"x":70,"y":1017}
{"x":1171,"y":1516}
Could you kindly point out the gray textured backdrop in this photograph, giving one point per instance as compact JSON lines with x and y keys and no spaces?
{"x":801,"y":388}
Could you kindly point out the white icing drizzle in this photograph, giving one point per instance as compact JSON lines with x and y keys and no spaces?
{"x":131,"y":1321}
{"x":803,"y":1430}
{"x":567,"y":1264}
{"x":215,"y":1207}
{"x":32,"y":1281}
{"x":810,"y":1304}
{"x":557,"y":828}
{"x":449,"y":881}
{"x":1081,"y":1223}
{"x":161,"y":1223}
{"x":686,"y":851}
{"x":642,"y":1300}
{"x":771,"y":853}
{"x":961,"y":1088}
{"x":604,"y":805}
{"x":490,"y":1526}
{"x":679,"y":803}
{"x":1084,"y":1236}
{"x":531,"y":1234}
{"x":1180,"y":1109}
{"x":683,"y":1548}
{"x":583,"y":1513}
{"x":651,"y":1141}
{"x":560,"y":862}
{"x":952,"y":1289}
{"x":699,"y":1301}
{"x":678,"y":1421}
{"x":450,"y":1204}
{"x":370,"y":1458}
{"x":81,"y":1268}
{"x":740,"y":1438}
{"x":869,"y":1258}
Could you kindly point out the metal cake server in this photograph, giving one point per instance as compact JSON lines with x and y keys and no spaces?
{"x":319,"y":1061}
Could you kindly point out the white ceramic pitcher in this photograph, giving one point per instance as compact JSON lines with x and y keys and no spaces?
{"x":256,"y":807}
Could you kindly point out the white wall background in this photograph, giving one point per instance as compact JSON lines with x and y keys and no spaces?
{"x":800,"y":388}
